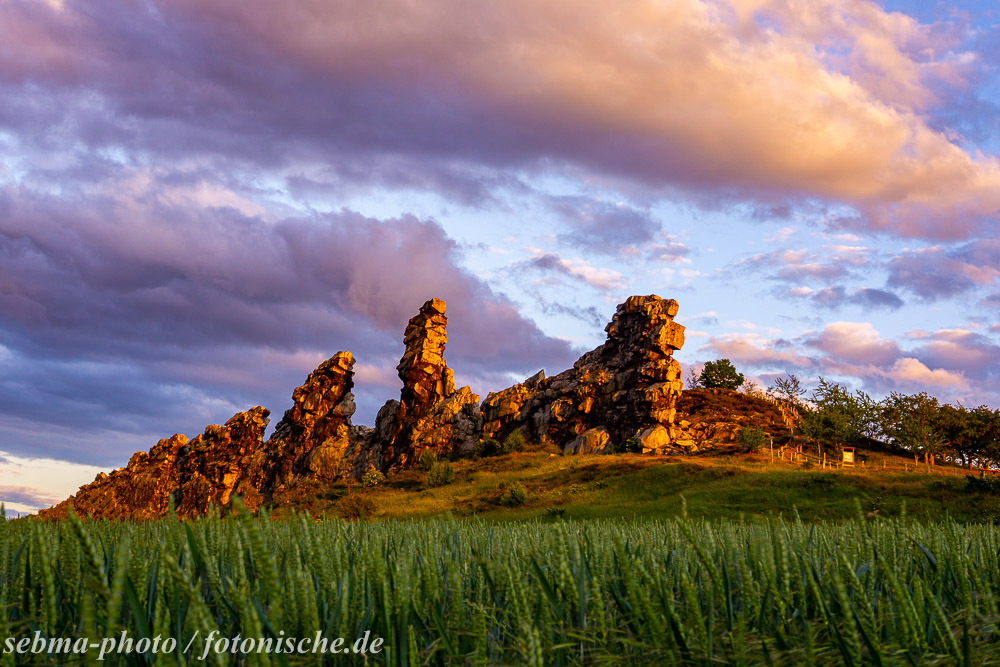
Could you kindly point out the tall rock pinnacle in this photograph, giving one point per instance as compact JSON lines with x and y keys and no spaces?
{"x":430,"y":412}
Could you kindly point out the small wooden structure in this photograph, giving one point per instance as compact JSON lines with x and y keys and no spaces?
{"x":848,"y":457}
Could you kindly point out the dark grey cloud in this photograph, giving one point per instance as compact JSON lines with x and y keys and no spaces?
{"x":131,"y":313}
{"x":589,"y":315}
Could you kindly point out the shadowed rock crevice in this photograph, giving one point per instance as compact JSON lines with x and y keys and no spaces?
{"x":625,"y":389}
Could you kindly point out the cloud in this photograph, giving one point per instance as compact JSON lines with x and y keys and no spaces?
{"x":146,"y":313}
{"x":913,"y":374}
{"x":854,"y":342}
{"x":767,"y":101}
{"x":871,"y":298}
{"x":602,"y":226}
{"x":957,"y":349}
{"x":801,"y":266}
{"x":837,"y":296}
{"x":28,"y":496}
{"x":936,"y":273}
{"x":579,"y":270}
{"x":672,"y":251}
{"x":589,"y":315}
{"x":755,"y":350}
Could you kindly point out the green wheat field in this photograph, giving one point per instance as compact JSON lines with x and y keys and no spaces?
{"x":681,"y":592}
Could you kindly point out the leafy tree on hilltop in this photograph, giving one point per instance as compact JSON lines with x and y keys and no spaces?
{"x":914,"y":422}
{"x":841,"y":416}
{"x":720,"y":374}
{"x":971,"y":434}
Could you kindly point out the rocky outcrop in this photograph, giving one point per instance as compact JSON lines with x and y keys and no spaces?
{"x":309,"y":442}
{"x":196,"y":474}
{"x":626,"y":388}
{"x":430,"y":412}
{"x":622,"y":393}
{"x":311,"y":438}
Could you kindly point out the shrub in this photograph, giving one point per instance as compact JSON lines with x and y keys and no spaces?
{"x":514,"y":495}
{"x":630,"y":446}
{"x":486,"y":447}
{"x":751,"y":439}
{"x":372,"y":478}
{"x":514,"y":442}
{"x":427,"y":459}
{"x":440,"y":474}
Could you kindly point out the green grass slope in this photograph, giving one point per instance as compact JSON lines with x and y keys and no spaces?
{"x":636,"y":486}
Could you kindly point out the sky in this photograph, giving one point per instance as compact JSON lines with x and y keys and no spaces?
{"x":201,"y":200}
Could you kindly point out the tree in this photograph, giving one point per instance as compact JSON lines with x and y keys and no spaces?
{"x":914,"y":423}
{"x":787,"y":389}
{"x":841,"y":416}
{"x":720,"y":374}
{"x":970,"y":434}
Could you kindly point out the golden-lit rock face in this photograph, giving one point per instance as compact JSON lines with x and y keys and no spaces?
{"x":430,"y":413}
{"x":626,"y":387}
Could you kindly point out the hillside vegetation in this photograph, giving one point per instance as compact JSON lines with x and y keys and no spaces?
{"x":630,"y":485}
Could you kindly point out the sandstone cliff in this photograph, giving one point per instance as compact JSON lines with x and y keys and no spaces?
{"x":625,"y":390}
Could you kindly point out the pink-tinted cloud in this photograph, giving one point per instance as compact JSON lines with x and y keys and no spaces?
{"x":854,"y":342}
{"x":766,"y":100}
{"x":26,"y":495}
{"x":912,"y":375}
{"x":800,"y":266}
{"x":961,"y":350}
{"x":577,"y":270}
{"x":754,"y":350}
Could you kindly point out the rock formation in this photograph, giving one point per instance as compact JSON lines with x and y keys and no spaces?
{"x":624,"y":389}
{"x":233,"y":459}
{"x":430,"y":412}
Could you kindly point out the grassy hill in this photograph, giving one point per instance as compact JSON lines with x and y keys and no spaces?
{"x":718,"y":484}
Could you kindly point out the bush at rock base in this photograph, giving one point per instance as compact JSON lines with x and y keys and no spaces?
{"x":372,"y":478}
{"x":513,"y":442}
{"x":487,"y":447}
{"x":630,"y":446}
{"x":440,"y":474}
{"x":427,"y":459}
